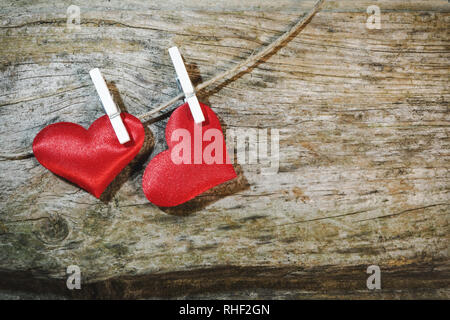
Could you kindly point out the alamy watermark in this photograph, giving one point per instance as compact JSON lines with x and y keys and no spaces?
{"x":74,"y":278}
{"x":209,"y":147}
{"x":374,"y":20}
{"x":374,"y":280}
{"x":73,"y":18}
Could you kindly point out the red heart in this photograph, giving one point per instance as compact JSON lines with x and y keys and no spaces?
{"x":167,"y":184}
{"x":89,"y":158}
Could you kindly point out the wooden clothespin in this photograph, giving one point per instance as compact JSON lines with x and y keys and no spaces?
{"x":110,"y":107}
{"x":184,"y":82}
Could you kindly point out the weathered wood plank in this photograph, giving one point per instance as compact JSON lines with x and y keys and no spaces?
{"x":364,"y":145}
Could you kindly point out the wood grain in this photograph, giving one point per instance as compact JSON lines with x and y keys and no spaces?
{"x":364,"y":150}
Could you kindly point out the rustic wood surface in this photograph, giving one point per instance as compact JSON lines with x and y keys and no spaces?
{"x":364,"y":151}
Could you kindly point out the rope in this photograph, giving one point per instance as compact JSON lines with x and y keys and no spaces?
{"x":249,"y":62}
{"x":228,"y":74}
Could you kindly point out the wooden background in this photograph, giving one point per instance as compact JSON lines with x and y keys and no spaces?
{"x":364,"y":151}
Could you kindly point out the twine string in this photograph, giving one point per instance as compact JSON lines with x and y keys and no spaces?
{"x":228,"y":74}
{"x":247,"y":63}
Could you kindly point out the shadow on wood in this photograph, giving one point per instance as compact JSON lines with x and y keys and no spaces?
{"x":210,"y":196}
{"x":137,"y":163}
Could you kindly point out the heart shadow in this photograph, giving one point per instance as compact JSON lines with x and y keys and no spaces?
{"x":210,"y":196}
{"x":137,"y":163}
{"x":220,"y":191}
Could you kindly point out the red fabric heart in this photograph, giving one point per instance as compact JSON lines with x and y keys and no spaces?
{"x":167,"y":184}
{"x":89,"y":158}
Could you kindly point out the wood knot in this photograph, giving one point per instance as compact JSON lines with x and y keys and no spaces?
{"x":53,"y":230}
